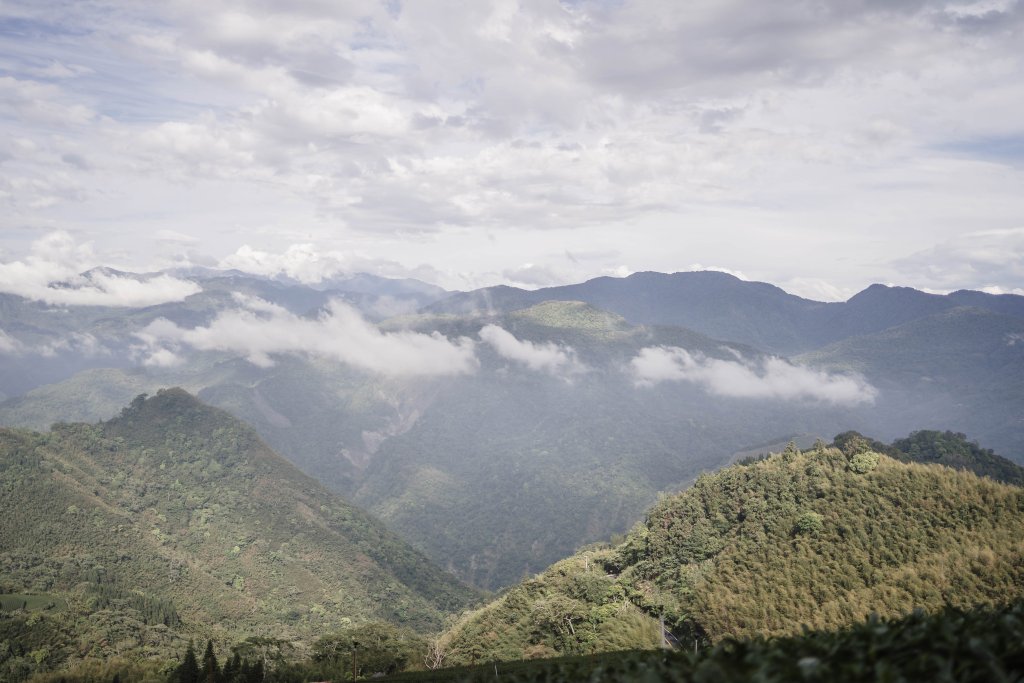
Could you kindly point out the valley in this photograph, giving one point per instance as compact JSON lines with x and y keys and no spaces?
{"x":567,"y":424}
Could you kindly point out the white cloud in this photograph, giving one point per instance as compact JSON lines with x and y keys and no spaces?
{"x":8,"y":344}
{"x":987,"y":260}
{"x":53,"y":273}
{"x":258,"y":330}
{"x":996,"y":289}
{"x":771,"y":378}
{"x":533,"y":275}
{"x":303,"y":262}
{"x":718,"y":269}
{"x":549,"y":357}
{"x":801,"y":131}
{"x":39,"y":102}
{"x":162,"y":358}
{"x":815,"y":289}
{"x":80,"y":343}
{"x":312,"y":264}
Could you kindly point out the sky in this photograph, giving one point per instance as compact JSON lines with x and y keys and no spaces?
{"x":820,"y":146}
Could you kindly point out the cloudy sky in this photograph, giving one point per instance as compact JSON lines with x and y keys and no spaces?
{"x":821,"y":146}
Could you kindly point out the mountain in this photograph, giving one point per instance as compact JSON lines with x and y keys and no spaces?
{"x":712,"y":303}
{"x":492,"y":473}
{"x":451,"y":463}
{"x":820,"y":538}
{"x":961,"y":369}
{"x":174,"y":520}
{"x":501,"y":472}
{"x":507,"y":470}
{"x":724,"y":307}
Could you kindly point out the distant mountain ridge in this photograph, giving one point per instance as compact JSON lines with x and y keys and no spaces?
{"x":722,"y":306}
{"x":584,"y":441}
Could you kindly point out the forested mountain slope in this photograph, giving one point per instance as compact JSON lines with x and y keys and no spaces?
{"x":508,"y":470}
{"x":175,"y":515}
{"x":493,"y":474}
{"x":961,"y":369}
{"x":821,"y":537}
{"x":716,"y":304}
{"x":499,"y":472}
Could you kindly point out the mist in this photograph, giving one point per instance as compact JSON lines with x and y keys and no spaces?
{"x":549,"y":357}
{"x":258,"y":330}
{"x":772,"y":377}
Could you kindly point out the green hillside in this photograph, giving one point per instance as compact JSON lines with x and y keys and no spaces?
{"x":175,"y":520}
{"x":819,"y":538}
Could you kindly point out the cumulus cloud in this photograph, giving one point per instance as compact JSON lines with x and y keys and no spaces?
{"x":52,"y":273}
{"x":34,"y":101}
{"x":986,"y":260}
{"x":771,"y":378}
{"x":258,"y":330}
{"x":313,"y":264}
{"x":303,"y":262}
{"x":730,"y":123}
{"x":550,"y":357}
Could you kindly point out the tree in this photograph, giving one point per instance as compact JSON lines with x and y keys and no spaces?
{"x":862,"y":463}
{"x":210,"y":671}
{"x":232,"y":668}
{"x":437,"y":651}
{"x":809,"y":523}
{"x":188,"y":670}
{"x":377,"y":648}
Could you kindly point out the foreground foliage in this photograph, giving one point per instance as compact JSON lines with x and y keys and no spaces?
{"x":978,"y":646}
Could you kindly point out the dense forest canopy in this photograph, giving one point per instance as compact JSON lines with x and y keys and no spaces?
{"x":822,"y":538}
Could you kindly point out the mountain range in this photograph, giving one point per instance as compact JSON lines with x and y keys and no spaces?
{"x":574,"y":407}
{"x":724,"y":307}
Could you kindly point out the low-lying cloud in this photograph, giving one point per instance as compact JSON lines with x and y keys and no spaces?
{"x":548,"y":357}
{"x":53,"y":273}
{"x":79,"y":343}
{"x":8,"y":344}
{"x":770,"y":378}
{"x":258,"y":330}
